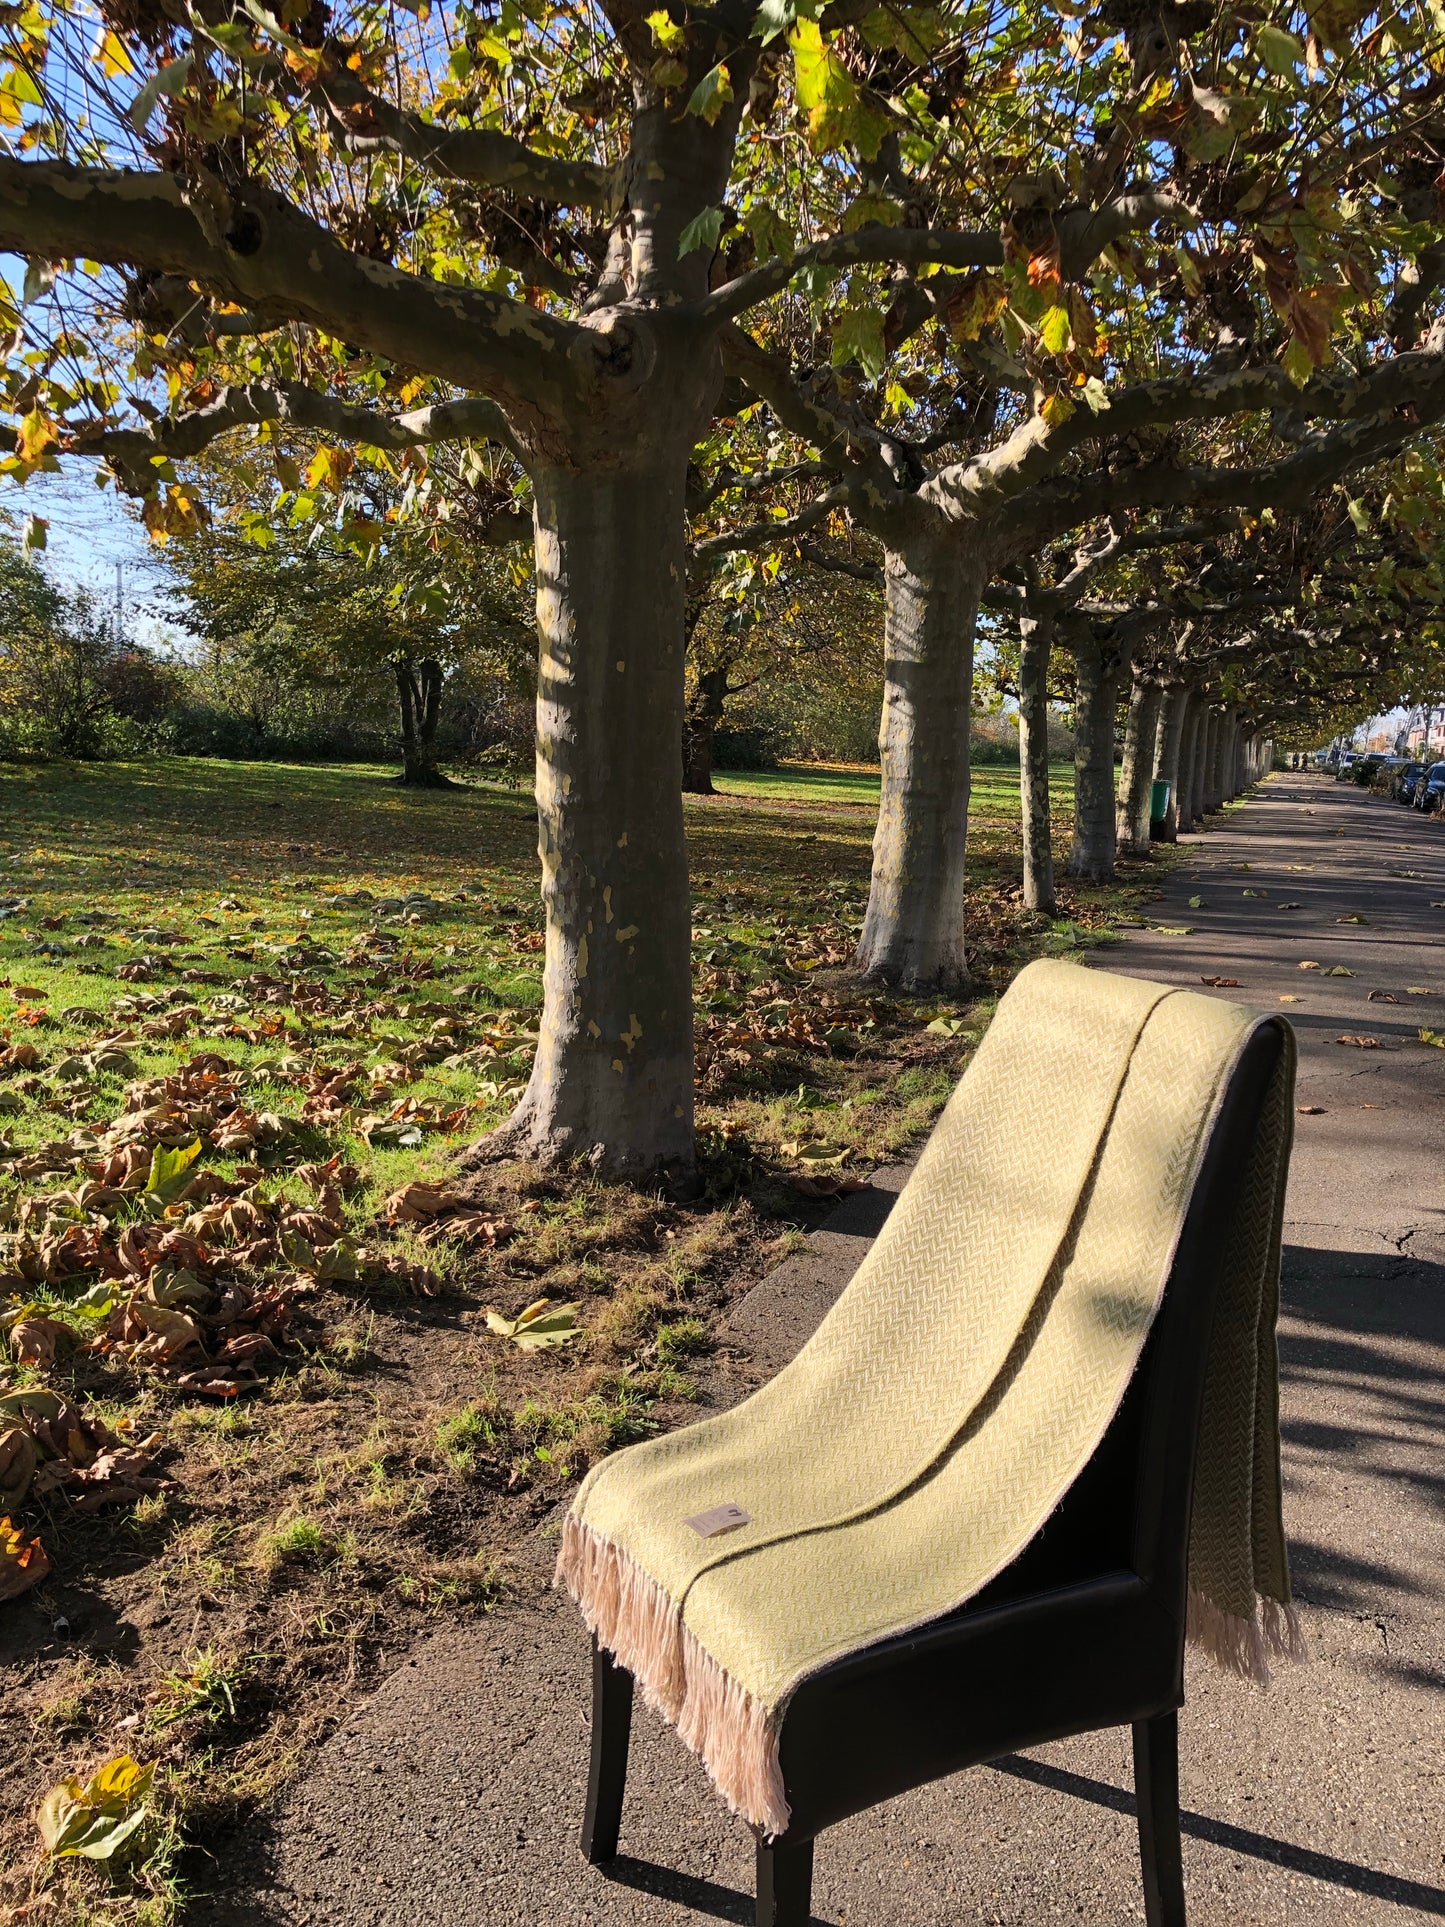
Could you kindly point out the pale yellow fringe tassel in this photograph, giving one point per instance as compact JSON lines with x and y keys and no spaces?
{"x":641,"y":1626}
{"x":1242,"y":1645}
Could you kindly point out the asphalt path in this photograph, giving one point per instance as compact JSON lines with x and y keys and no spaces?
{"x":452,"y":1798}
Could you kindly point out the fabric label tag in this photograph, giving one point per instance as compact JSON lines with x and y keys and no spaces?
{"x":718,"y":1518}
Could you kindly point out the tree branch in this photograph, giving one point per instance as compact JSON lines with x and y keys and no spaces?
{"x":969,"y":490}
{"x":370,"y":123}
{"x":264,"y":252}
{"x":760,"y":535}
{"x":134,"y":452}
{"x":1282,"y":486}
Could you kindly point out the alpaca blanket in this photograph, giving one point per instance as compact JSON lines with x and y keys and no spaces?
{"x":962,"y":1382}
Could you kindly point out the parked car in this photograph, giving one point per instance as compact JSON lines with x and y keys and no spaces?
{"x":1430,"y":788}
{"x":1366,"y":768}
{"x":1406,"y":777}
{"x":1344,"y":765}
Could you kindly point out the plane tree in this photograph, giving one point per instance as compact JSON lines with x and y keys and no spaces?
{"x":550,"y":232}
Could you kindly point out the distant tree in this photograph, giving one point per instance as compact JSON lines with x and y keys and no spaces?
{"x":283,"y":606}
{"x":66,"y":677}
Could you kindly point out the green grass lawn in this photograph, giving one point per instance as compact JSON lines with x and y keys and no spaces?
{"x":995,"y":789}
{"x":248,"y":1013}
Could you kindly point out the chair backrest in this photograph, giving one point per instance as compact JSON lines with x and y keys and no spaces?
{"x":1129,"y":1509}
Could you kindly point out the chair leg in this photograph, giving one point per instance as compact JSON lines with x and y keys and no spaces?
{"x":785,"y":1885}
{"x":607,"y":1773}
{"x":1156,"y":1785}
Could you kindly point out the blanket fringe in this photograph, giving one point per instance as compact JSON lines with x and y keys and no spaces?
{"x":1246,"y":1645}
{"x":642,"y":1627}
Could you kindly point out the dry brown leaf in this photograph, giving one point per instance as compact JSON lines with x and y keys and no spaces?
{"x":35,"y":1339}
{"x":1360,"y":1043}
{"x":419,"y":1202}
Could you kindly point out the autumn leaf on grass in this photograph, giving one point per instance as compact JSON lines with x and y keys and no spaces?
{"x":35,"y":1337}
{"x":24,"y":1562}
{"x":170,"y":1170}
{"x":816,"y":1155}
{"x":419,"y":1202}
{"x":338,"y":1263}
{"x":541,"y":1325}
{"x":92,"y":1822}
{"x":1360,"y":1043}
{"x":948,"y":1026}
{"x":17,"y":1462}
{"x":467,"y":1227}
{"x":828,"y":1185}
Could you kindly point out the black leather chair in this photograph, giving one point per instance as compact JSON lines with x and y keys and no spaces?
{"x":1084,"y":1630}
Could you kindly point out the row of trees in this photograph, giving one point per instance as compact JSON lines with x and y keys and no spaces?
{"x":1069,"y":320}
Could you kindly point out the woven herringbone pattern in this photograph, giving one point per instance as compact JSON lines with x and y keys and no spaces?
{"x":965,"y":1377}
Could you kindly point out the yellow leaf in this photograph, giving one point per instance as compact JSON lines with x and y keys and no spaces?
{"x":111,"y":55}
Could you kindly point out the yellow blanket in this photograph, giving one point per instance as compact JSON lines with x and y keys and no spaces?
{"x":961,"y":1383}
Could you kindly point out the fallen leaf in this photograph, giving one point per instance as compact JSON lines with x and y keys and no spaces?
{"x":1289,"y":997}
{"x":419,"y":1202}
{"x":1310,"y":1110}
{"x":92,"y":1821}
{"x":1339,"y":970}
{"x":827,"y":1187}
{"x":1381,"y":997}
{"x":1360,"y":1043}
{"x":24,"y":1562}
{"x":1288,"y":906}
{"x":1353,"y":917}
{"x":541,"y":1324}
{"x":1433,"y":1037}
{"x":1198,"y":903}
{"x":1221,"y":983}
{"x":1418,"y":990}
{"x":1256,"y":893}
{"x":35,"y":1339}
{"x":1309,"y":966}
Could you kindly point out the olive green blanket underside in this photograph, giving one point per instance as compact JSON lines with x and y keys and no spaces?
{"x":963,"y":1380}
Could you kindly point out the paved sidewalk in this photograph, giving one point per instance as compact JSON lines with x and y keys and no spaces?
{"x":452,"y":1798}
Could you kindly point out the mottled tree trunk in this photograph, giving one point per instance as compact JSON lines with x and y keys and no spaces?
{"x":913,"y":932}
{"x":1036,"y":634}
{"x":1097,"y":666}
{"x":1173,"y":710}
{"x":1199,"y":766}
{"x":1209,"y":801}
{"x":1189,"y":752}
{"x":704,"y":713}
{"x":419,"y":693}
{"x":612,"y":1077}
{"x":1219,"y":767}
{"x":1136,"y":775}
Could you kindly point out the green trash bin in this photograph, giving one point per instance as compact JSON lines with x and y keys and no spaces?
{"x":1158,"y":808}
